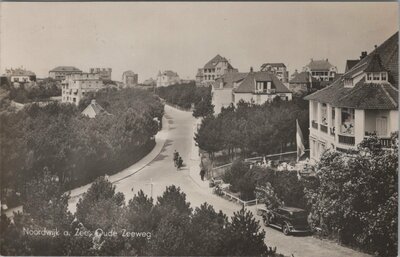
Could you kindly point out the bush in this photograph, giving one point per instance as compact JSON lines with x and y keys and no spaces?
{"x":356,"y":197}
{"x":285,"y":184}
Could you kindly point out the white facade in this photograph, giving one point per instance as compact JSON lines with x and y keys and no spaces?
{"x":260,"y":98}
{"x":322,"y":70}
{"x":75,"y":86}
{"x":344,"y":128}
{"x":20,"y":78}
{"x":221,"y":97}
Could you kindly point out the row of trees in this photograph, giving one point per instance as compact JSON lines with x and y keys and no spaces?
{"x":186,"y":95}
{"x":76,"y":148}
{"x":354,"y":195}
{"x":170,"y":226}
{"x":248,"y":127}
{"x":39,"y":91}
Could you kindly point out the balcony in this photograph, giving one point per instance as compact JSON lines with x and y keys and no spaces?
{"x":347,"y":140}
{"x":314,"y":124}
{"x":266,"y":91}
{"x":386,"y":142}
{"x":323,"y":128}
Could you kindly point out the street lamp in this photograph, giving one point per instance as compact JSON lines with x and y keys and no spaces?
{"x":151,"y":187}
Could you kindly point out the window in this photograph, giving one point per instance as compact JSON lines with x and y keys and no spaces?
{"x":384,"y":76}
{"x":269,"y":85}
{"x":381,"y":126}
{"x":347,"y":126}
{"x":324,"y":115}
{"x":348,"y":82}
{"x":376,"y":76}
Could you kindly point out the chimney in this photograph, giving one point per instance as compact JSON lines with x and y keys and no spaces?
{"x":251,"y":69}
{"x":363,"y":55}
{"x":376,"y":46}
{"x":93,"y":101}
{"x":326,"y":59}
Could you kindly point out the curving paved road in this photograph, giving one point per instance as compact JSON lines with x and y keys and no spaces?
{"x":161,"y":171}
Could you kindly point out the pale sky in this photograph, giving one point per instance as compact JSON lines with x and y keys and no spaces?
{"x":148,"y":37}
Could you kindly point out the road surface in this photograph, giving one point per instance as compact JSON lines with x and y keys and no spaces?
{"x":160,"y":171}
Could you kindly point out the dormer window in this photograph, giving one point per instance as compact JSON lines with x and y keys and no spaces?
{"x":348,"y":82}
{"x":384,"y":76}
{"x":264,"y":87}
{"x":376,"y":76}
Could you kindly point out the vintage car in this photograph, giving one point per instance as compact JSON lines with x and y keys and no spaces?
{"x":288,"y":219}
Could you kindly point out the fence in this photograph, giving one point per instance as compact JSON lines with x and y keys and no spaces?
{"x":238,"y":200}
{"x":218,"y":172}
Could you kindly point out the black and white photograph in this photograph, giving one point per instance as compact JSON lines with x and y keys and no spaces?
{"x":199,"y":128}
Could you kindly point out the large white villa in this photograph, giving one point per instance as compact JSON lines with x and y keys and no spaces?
{"x":362,"y":102}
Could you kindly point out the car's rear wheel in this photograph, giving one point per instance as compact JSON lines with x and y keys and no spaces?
{"x":285,"y":230}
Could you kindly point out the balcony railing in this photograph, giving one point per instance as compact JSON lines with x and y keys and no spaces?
{"x":266,"y":91}
{"x":385,"y":142}
{"x":347,"y":140}
{"x":323,"y":128}
{"x":314,"y":124}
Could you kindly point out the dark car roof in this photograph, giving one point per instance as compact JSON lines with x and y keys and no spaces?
{"x":291,"y":209}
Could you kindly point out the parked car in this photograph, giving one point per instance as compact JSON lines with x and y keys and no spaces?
{"x":288,"y":219}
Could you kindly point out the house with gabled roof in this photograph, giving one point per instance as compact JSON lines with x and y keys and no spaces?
{"x":303,"y":83}
{"x":222,"y":89}
{"x":213,"y":69}
{"x":279,"y":69}
{"x":260,"y":87}
{"x":322,"y":70}
{"x":20,"y":75}
{"x":167,"y":78}
{"x":361,"y":103}
{"x":94,"y":109}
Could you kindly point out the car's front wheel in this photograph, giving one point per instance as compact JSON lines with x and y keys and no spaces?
{"x":285,"y":230}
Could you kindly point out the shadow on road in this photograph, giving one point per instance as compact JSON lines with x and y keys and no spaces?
{"x":160,"y":157}
{"x":304,"y":234}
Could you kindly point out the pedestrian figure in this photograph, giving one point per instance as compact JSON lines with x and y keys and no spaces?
{"x":180,"y":162}
{"x":176,"y":156}
{"x":202,"y":173}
